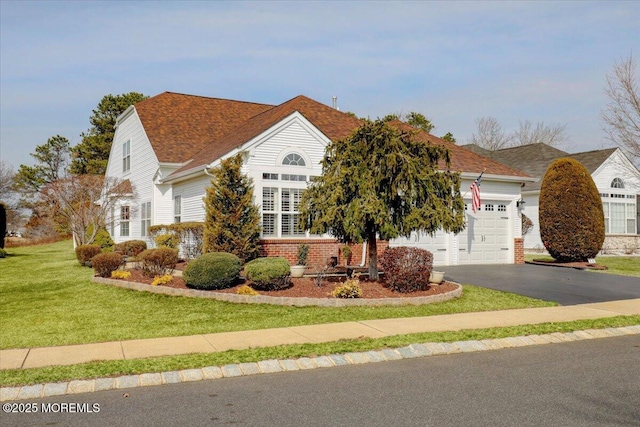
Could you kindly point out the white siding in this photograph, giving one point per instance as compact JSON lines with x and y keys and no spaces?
{"x":144,"y":165}
{"x":193,"y":193}
{"x":295,"y":136}
{"x":532,"y":239}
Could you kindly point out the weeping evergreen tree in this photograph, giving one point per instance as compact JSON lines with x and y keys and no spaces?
{"x":232,"y":221}
{"x":382,"y":183}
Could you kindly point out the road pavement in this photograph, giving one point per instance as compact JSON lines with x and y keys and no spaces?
{"x":583,"y":383}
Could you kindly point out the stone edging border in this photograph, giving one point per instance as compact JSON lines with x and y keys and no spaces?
{"x":289,"y":301}
{"x":277,"y":365}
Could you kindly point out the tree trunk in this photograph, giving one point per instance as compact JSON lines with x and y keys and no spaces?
{"x":373,"y":256}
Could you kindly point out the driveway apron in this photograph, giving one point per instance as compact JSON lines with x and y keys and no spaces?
{"x":566,"y":286}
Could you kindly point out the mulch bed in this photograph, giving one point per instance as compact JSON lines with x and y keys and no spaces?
{"x":578,"y":265}
{"x":305,"y":287}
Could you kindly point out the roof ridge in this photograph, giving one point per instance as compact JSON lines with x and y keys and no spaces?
{"x":168,"y":92}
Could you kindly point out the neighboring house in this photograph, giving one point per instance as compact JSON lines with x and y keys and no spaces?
{"x":165,"y":147}
{"x":616,"y":178}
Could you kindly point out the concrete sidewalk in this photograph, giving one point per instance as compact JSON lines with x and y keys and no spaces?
{"x":144,"y":348}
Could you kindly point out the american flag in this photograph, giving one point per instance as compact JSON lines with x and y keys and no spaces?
{"x":475,"y":194}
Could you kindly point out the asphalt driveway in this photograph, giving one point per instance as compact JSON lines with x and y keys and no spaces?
{"x":566,"y":286}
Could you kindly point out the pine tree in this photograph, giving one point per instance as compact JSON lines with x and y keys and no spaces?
{"x":382,"y":183}
{"x":232,"y":221}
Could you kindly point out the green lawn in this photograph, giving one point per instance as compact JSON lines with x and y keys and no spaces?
{"x":622,"y":265}
{"x":16,"y":377}
{"x":47,"y":299}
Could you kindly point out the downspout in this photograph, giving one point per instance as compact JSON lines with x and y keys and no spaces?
{"x":207,"y":172}
{"x":364,"y":254}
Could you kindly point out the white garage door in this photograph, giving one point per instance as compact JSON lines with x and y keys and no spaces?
{"x":486,"y":238}
{"x":438,"y":245}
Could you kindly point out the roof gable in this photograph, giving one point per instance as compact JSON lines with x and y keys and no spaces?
{"x":178,"y":125}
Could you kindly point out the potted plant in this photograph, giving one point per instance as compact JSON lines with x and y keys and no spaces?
{"x":346,"y":254}
{"x":436,"y":277}
{"x":298,"y":269}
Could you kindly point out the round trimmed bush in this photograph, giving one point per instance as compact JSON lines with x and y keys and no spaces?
{"x":131,"y":248}
{"x":571,"y":215}
{"x":105,"y":263}
{"x":269,"y":274}
{"x":158,"y":261}
{"x":214,"y":270}
{"x":84,"y":253}
{"x":406,"y":269}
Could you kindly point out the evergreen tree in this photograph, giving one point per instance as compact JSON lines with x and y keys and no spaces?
{"x":382,"y":183}
{"x":92,"y":154}
{"x":232,"y":220}
{"x":571,"y":214}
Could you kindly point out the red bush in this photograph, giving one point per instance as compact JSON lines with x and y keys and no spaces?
{"x":105,"y":263}
{"x":406,"y":269}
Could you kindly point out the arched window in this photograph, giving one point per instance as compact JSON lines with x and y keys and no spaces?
{"x":293,"y":159}
{"x":617,"y":183}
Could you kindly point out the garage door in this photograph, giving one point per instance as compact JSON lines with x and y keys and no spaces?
{"x":486,"y":238}
{"x":438,"y":245}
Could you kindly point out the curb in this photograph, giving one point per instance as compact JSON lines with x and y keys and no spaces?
{"x":287,"y":301}
{"x":286,"y":365}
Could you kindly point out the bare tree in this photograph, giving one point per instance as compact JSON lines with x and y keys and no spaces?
{"x":553,"y":134}
{"x":84,"y":203}
{"x":7,"y":180}
{"x":621,"y":116}
{"x":490,"y":134}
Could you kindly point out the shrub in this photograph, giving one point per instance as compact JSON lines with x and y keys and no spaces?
{"x":84,"y":253}
{"x":215,"y":270}
{"x":106,"y":263}
{"x":346,"y":253}
{"x":102,"y":239}
{"x":269,"y":274}
{"x":157,"y":262}
{"x":120,"y":274}
{"x":167,"y":240}
{"x":303,"y":253}
{"x":162,"y":280}
{"x":3,"y":253}
{"x":246,"y":290}
{"x":406,"y":269}
{"x":350,"y":289}
{"x":527,"y":224}
{"x":188,"y":234}
{"x":131,"y":248}
{"x":571,"y":215}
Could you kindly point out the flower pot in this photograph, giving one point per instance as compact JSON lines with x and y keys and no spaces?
{"x":298,"y":270}
{"x":436,"y":277}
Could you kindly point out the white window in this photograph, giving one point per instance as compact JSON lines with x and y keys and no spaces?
{"x":617,"y":183}
{"x":269,"y":217}
{"x":619,"y":217}
{"x":290,"y":215}
{"x":125,"y":218}
{"x":280,"y":214}
{"x":145,"y":218}
{"x":293,"y":159}
{"x":488,"y":208}
{"x":177,"y":209}
{"x":126,"y":156}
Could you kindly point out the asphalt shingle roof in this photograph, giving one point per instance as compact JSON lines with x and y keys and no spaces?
{"x":534,"y":159}
{"x":195,"y":130}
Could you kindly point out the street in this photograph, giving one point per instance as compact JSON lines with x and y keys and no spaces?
{"x":585,"y":383}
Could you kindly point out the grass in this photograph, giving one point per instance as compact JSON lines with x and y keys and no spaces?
{"x":18,"y":377}
{"x":621,"y":265}
{"x":48,"y":299}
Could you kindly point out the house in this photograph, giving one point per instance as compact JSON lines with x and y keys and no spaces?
{"x":617,"y":180}
{"x":165,"y":146}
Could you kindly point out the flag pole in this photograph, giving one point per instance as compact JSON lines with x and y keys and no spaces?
{"x":480,"y":176}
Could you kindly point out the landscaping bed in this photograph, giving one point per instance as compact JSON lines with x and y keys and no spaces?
{"x":306,"y":288}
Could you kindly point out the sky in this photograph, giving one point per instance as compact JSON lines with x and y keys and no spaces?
{"x":454,"y":62}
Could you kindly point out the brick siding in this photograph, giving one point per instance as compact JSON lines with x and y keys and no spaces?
{"x":320,"y":250}
{"x":518,"y":250}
